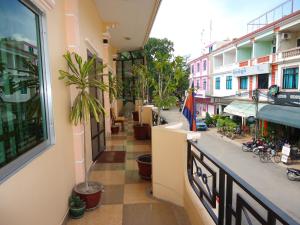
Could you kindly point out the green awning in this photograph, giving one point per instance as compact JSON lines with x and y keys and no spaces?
{"x":242,"y":108}
{"x":286,"y":115}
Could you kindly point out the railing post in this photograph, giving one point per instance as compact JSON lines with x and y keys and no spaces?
{"x":271,"y":218}
{"x":189,"y":160}
{"x":228,"y":208}
{"x":221,"y":197}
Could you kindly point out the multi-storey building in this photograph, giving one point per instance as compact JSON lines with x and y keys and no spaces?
{"x":200,"y":70}
{"x":201,"y":82}
{"x":267,"y":57}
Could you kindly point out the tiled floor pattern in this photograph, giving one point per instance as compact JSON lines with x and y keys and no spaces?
{"x":126,"y":199}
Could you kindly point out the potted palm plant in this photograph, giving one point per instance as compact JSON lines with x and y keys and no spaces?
{"x":82,"y":75}
{"x":142,"y":78}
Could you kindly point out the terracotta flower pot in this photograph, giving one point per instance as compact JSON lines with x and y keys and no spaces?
{"x":145,"y":166}
{"x":141,"y":131}
{"x":135,"y":116}
{"x":91,"y":196}
{"x":115,"y":129}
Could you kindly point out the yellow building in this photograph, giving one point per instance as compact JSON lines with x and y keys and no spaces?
{"x":39,"y":169}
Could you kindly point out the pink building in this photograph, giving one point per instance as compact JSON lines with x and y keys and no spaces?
{"x":200,"y":76}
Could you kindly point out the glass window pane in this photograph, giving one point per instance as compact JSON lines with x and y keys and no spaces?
{"x":290,"y":78}
{"x":243,"y":83}
{"x":22,"y":110}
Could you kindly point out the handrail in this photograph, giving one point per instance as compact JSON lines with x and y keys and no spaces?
{"x":291,"y":52}
{"x":223,"y":193}
{"x":287,"y":50}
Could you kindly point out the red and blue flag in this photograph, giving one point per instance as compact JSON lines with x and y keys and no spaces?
{"x":189,"y":110}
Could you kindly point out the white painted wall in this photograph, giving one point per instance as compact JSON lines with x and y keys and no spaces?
{"x":290,"y":43}
{"x":223,"y":91}
{"x":229,"y":57}
{"x":218,"y":61}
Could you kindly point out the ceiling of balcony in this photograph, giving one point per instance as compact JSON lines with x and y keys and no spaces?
{"x":133,"y":20}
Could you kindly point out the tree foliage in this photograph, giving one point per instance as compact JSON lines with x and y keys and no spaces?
{"x":142,"y":78}
{"x":168,"y":73}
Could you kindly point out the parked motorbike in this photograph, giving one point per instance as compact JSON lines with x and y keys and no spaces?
{"x":293,"y":174}
{"x":247,"y":146}
{"x":295,"y":153}
{"x":260,"y":145}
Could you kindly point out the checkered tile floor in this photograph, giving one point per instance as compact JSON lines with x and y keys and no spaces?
{"x":126,"y":199}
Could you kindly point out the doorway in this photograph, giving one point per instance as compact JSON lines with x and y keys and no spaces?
{"x":97,"y":129}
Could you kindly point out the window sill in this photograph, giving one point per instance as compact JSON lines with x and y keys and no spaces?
{"x":290,"y":89}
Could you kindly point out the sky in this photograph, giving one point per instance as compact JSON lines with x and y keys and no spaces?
{"x":21,"y":27}
{"x":187,"y":22}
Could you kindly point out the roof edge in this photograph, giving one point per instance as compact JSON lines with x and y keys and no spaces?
{"x":152,"y":19}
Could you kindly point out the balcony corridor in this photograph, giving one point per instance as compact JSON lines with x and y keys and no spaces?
{"x":126,"y":199}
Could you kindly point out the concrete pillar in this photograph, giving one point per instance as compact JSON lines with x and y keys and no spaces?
{"x":73,"y":43}
{"x":220,"y":109}
{"x":107,"y":106}
{"x":277,"y":41}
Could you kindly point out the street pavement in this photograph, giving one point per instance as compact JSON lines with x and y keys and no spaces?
{"x":267,"y":178}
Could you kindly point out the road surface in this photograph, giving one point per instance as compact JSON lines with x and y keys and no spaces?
{"x":268,"y":178}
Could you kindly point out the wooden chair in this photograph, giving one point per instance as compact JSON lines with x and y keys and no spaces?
{"x":116,"y":119}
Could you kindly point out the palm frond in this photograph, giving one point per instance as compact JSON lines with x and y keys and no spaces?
{"x":82,"y":74}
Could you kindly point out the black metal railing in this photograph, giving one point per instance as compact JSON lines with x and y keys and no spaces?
{"x":156,"y":118}
{"x":227,"y":197}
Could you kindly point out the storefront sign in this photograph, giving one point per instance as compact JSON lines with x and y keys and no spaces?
{"x":284,"y":158}
{"x":287,"y":98}
{"x":252,"y":70}
{"x":286,"y":149}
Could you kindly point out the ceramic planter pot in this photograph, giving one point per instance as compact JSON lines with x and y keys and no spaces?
{"x":141,"y":131}
{"x":115,"y":129}
{"x":76,"y":213}
{"x":135,"y":116}
{"x":91,"y":196}
{"x":145,"y":166}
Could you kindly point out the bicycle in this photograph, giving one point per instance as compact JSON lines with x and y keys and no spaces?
{"x":268,"y":154}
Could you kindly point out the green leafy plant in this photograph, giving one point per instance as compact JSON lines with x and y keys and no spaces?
{"x":169,"y":71}
{"x":226,"y":125}
{"x":215,"y":119}
{"x":82,"y":75}
{"x":142,"y":80}
{"x":115,"y":87}
{"x":76,"y":202}
{"x":208,"y":119}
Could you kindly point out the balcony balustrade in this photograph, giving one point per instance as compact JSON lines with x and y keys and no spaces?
{"x":263,"y":59}
{"x":227,"y":197}
{"x":244,"y":63}
{"x":290,"y":53}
